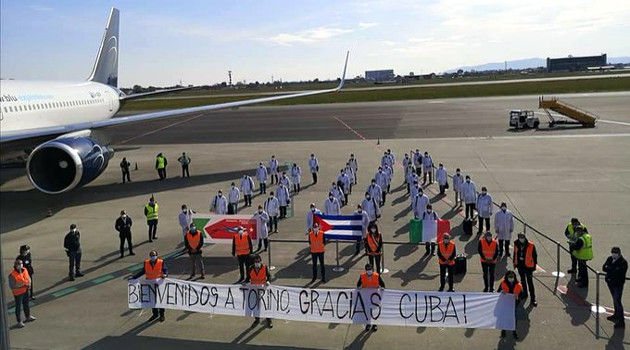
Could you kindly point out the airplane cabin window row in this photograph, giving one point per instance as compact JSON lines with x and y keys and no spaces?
{"x":50,"y":105}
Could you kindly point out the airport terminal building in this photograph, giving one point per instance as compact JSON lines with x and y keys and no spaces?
{"x":379,"y":76}
{"x":573,"y":64}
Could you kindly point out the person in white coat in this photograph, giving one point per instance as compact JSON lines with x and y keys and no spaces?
{"x":343,"y":181}
{"x":354,"y":165}
{"x":429,"y":214}
{"x":411,"y":177}
{"x":390,"y":175}
{"x":261,"y":176}
{"x":392,"y":157}
{"x":413,"y":192}
{"x":386,"y":159}
{"x":284,"y":199}
{"x":262,"y":231}
{"x":417,"y":161}
{"x":247,"y":187}
{"x":365,"y":222}
{"x":285,"y":180}
{"x":382,"y":179}
{"x":313,"y":165}
{"x":420,"y":204}
{"x":272,"y":207}
{"x":352,"y":175}
{"x":441,"y":176}
{"x":504,"y":226}
{"x":427,"y":167}
{"x":406,"y":161}
{"x":219,"y":204}
{"x":332,"y":205}
{"x":337,"y":193}
{"x":458,"y":186}
{"x":233,"y":197}
{"x":371,"y":207}
{"x":296,"y":177}
{"x":273,"y":169}
{"x":310,"y":217}
{"x":376,"y":192}
{"x":469,"y":193}
{"x":185,"y":218}
{"x":484,"y":208}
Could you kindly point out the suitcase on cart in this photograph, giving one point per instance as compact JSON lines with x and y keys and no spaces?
{"x":460,"y":265}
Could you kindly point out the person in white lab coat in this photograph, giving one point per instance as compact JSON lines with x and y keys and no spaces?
{"x":411,"y":177}
{"x":352,"y":175}
{"x":247,"y":187}
{"x":458,"y":186}
{"x":376,"y":192}
{"x":420,"y":204}
{"x":382,"y":179}
{"x":285,"y":180}
{"x":371,"y":207}
{"x":441,"y":176}
{"x":313,"y":165}
{"x":219,"y":204}
{"x":309,"y":217}
{"x":337,"y":193}
{"x":390,"y":175}
{"x":261,"y":176}
{"x":185,"y":218}
{"x":354,"y":165}
{"x":406,"y":161}
{"x":272,"y":207}
{"x":484,"y":208}
{"x":284,"y":199}
{"x":296,"y":177}
{"x":417,"y":161}
{"x":427,"y":167}
{"x":233,"y":197}
{"x":429,"y":214}
{"x":413,"y":193}
{"x":331,"y":205}
{"x":273,"y":169}
{"x":469,"y":193}
{"x":365,"y":222}
{"x":262,"y":231}
{"x":343,"y":181}
{"x":504,"y":226}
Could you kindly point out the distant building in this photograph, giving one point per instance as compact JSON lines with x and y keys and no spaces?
{"x":573,"y":64}
{"x":380,"y":76}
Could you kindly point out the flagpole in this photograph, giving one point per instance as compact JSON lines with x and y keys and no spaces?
{"x":337,"y":268}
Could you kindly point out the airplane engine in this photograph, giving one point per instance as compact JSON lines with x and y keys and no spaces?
{"x":60,"y":165}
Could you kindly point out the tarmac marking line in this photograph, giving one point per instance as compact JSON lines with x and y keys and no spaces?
{"x":65,"y":291}
{"x":350,"y":128}
{"x":102,"y":279}
{"x":613,"y":122}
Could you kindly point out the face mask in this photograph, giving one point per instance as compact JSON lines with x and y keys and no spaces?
{"x":511,"y":279}
{"x":429,"y":211}
{"x":313,"y":210}
{"x":259,"y":211}
{"x":369,"y":272}
{"x":360,"y":210}
{"x":184,"y":211}
{"x":240,"y":232}
{"x":153,"y":258}
{"x":74,"y":230}
{"x":193,"y":229}
{"x":25,"y":253}
{"x":124,"y":216}
{"x":257,"y":265}
{"x":220,"y":194}
{"x":367,"y":197}
{"x":446,"y":240}
{"x":457,"y":173}
{"x":615,"y":256}
{"x":330,"y":197}
{"x":468,"y":180}
{"x":522,"y":240}
{"x":503,"y":208}
{"x":373,"y":230}
{"x":484,"y":193}
{"x":488,"y":239}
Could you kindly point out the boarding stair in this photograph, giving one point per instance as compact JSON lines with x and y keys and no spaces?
{"x":579,"y":116}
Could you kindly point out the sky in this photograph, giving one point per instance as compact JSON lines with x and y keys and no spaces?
{"x":197,"y":42}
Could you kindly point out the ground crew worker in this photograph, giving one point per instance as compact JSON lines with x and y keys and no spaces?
{"x":571,"y":236}
{"x":370,"y":280}
{"x":365,"y":223}
{"x":313,"y":165}
{"x":219,"y":204}
{"x":272,"y":207}
{"x":511,"y":285}
{"x":417,"y":161}
{"x":427,"y":167}
{"x":616,"y":268}
{"x":446,"y":259}
{"x":233,"y":197}
{"x":419,"y":204}
{"x":160,"y":165}
{"x":343,"y":181}
{"x":354,"y":165}
{"x":374,"y":246}
{"x":124,"y":167}
{"x":317,"y":246}
{"x":488,"y":253}
{"x":504,"y":226}
{"x":284,"y":199}
{"x":441,"y":176}
{"x":261,"y":176}
{"x":296,"y":177}
{"x":331,"y":205}
{"x":194,"y":247}
{"x":247,"y":187}
{"x":185,"y":219}
{"x":525,"y":261}
{"x":582,"y":250}
{"x":262,"y":231}
{"x":484,"y":209}
{"x":123,"y":226}
{"x":429,"y":214}
{"x":151,"y":213}
{"x":273,"y":169}
{"x":20,"y":284}
{"x":258,"y":275}
{"x":376,"y":192}
{"x":27,"y":262}
{"x":371,"y":207}
{"x":72,"y":244}
{"x":469,"y":194}
{"x":184,"y":160}
{"x":310,"y":217}
{"x":458,"y":184}
{"x":154,"y":268}
{"x":242,"y":250}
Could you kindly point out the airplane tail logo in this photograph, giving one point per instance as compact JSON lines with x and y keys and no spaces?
{"x":106,"y":66}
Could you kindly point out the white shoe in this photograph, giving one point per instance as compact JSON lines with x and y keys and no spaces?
{"x":20,"y":325}
{"x":30,"y":319}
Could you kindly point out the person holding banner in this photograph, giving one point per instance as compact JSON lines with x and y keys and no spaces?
{"x":317,"y":246}
{"x":374,"y":246}
{"x":525,"y":261}
{"x":154,"y":269}
{"x":446,"y":259}
{"x":419,"y":204}
{"x":242,"y":250}
{"x":259,"y":276}
{"x":510,"y":285}
{"x":372,"y":280}
{"x":194,"y":247}
{"x":488,"y":253}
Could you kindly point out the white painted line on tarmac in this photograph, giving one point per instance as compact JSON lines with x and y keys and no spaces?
{"x":474,"y":138}
{"x":612,"y":122}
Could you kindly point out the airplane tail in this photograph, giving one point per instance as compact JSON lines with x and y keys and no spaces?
{"x":106,"y":66}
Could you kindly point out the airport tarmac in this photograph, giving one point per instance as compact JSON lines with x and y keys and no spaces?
{"x":545,"y":177}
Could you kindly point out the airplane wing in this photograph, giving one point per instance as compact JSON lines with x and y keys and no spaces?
{"x":152,"y":93}
{"x":64,"y":129}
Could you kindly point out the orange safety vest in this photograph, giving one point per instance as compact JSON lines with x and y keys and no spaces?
{"x":516,"y":289}
{"x":316,"y":241}
{"x":529,"y":255}
{"x":373,"y":243}
{"x":155,"y":271}
{"x":446,"y":252}
{"x":488,"y":250}
{"x":369,"y":282}
{"x":242,"y":244}
{"x":193,"y":241}
{"x":259,"y":277}
{"x":22,"y":280}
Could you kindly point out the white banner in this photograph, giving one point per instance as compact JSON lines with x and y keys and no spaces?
{"x":360,"y":306}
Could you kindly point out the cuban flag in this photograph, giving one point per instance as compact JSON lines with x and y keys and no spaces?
{"x":340,"y":227}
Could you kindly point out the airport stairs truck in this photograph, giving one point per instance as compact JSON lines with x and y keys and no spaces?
{"x":579,"y":116}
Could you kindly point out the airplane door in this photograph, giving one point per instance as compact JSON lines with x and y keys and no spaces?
{"x":110,"y":101}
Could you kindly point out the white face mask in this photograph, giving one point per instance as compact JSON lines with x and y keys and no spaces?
{"x":153,"y":258}
{"x":369,"y":272}
{"x":124,"y":216}
{"x":240,"y":232}
{"x":257,"y":265}
{"x":503,"y":208}
{"x":468,"y":180}
{"x":185,"y":211}
{"x":373,"y":230}
{"x":259,"y":211}
{"x":429,"y":211}
{"x":446,"y":240}
{"x":615,"y":256}
{"x":489,"y":238}
{"x":313,"y":210}
{"x":360,"y":210}
{"x":511,"y":279}
{"x":522,"y":240}
{"x":74,"y":230}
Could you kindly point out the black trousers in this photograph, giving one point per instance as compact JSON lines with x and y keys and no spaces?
{"x":383,"y":197}
{"x":375,"y":261}
{"x":243,"y":265}
{"x":573,"y":261}
{"x":74,"y":262}
{"x":443,"y":269}
{"x":314,"y":177}
{"x":21,"y":303}
{"x":419,"y":171}
{"x":232,"y":208}
{"x":582,"y":276}
{"x":152,"y":228}
{"x":357,"y":247}
{"x":481,"y":221}
{"x":283,"y":212}
{"x":296,"y":188}
{"x":320,"y":257}
{"x":506,"y":243}
{"x":470,"y":210}
{"x":273,"y":223}
{"x":527,"y":280}
{"x":158,"y":311}
{"x":616,"y":292}
{"x":265,"y":241}
{"x":125,"y":176}
{"x":263,"y":188}
{"x":184,"y":171}
{"x":272,"y":177}
{"x":488,"y":276}
{"x":430,"y":173}
{"x":248,"y":200}
{"x":430,"y":247}
{"x":162,"y":173}
{"x":442,"y":189}
{"x":125,"y":237}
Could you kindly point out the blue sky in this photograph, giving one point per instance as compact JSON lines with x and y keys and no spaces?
{"x":162,"y":42}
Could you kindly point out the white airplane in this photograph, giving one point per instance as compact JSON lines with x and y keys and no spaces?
{"x":57,"y":119}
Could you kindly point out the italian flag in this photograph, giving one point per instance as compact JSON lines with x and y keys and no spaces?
{"x":428,"y":230}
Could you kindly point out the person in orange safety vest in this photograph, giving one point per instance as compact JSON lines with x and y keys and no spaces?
{"x":20,"y":284}
{"x":370,"y":279}
{"x":242,"y":250}
{"x":259,"y":276}
{"x":154,"y":268}
{"x":446,"y":258}
{"x":511,"y":285}
{"x":488,"y":249}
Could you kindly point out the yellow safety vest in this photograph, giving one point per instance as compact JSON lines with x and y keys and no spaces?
{"x":160,"y":163}
{"x":152,"y":212}
{"x":586,"y":252}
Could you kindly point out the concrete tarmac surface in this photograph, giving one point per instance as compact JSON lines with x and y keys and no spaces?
{"x":546,"y":177}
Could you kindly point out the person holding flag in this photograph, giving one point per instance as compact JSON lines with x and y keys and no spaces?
{"x":374,"y":246}
{"x":242,"y":250}
{"x":372,"y":280}
{"x":259,"y":276}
